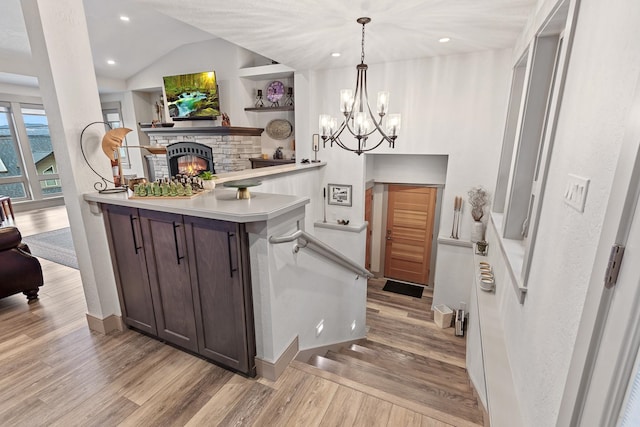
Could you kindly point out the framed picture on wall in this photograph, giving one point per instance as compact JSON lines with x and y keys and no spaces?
{"x":339,"y":194}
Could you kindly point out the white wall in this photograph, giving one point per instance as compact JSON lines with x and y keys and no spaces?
{"x":7,"y":90}
{"x":293,"y":292}
{"x":219,"y":55}
{"x":407,"y":168}
{"x":540,"y":335}
{"x":452,"y":105}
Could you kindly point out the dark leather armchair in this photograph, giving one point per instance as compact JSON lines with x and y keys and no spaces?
{"x":19,"y":270}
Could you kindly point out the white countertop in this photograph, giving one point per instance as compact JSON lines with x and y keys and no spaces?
{"x":219,"y":204}
{"x":266,"y":173}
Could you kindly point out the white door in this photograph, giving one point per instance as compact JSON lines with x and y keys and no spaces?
{"x":603,"y":364}
{"x":613,"y":371}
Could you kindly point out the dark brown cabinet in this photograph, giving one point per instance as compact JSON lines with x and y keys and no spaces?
{"x":185,"y":280}
{"x":166,"y":252}
{"x":219,"y":269}
{"x":127,"y":252}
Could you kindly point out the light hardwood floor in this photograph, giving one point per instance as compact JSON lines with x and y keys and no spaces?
{"x":54,"y":371}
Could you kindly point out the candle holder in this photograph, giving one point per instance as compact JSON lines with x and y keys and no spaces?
{"x":259,"y":101}
{"x":289,"y":100}
{"x":316,"y":147}
{"x":482,"y":247}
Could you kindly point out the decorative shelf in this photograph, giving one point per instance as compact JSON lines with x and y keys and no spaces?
{"x":204,"y":130}
{"x":443,"y":240}
{"x":264,"y":109}
{"x":266,"y":72}
{"x":351,"y":228}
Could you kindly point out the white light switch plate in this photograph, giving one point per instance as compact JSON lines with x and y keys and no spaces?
{"x":575,"y":194}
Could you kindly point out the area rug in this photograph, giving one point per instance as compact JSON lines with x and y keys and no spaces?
{"x":55,"y":246}
{"x":403,"y":288}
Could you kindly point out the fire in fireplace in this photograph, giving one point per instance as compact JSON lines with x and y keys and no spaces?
{"x":189,"y":158}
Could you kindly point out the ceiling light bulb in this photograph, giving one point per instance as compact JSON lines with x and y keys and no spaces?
{"x":124,"y":18}
{"x":111,"y":62}
{"x":444,"y":40}
{"x":335,"y":54}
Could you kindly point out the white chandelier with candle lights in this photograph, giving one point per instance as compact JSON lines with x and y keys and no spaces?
{"x":359,"y":120}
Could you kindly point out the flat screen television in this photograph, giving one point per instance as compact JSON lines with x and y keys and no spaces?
{"x":192,"y":96}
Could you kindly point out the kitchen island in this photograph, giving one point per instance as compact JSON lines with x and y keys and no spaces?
{"x":184,"y":267}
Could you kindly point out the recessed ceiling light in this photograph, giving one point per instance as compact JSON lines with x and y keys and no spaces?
{"x":124,"y":18}
{"x":444,"y":40}
{"x":111,"y":62}
{"x":335,"y":54}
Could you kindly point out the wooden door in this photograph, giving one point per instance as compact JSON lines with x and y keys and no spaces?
{"x":222,"y":289}
{"x":368,"y":216}
{"x":409,"y":234}
{"x":125,"y":241}
{"x":167,"y":261}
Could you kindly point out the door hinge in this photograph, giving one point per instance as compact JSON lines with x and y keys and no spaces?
{"x":613,"y":267}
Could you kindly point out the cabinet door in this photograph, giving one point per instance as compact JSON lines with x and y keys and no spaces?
{"x":128,"y":256}
{"x":167,"y":261}
{"x":220,"y":276}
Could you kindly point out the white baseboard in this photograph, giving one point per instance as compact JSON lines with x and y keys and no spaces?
{"x":272,"y":371}
{"x":107,"y":325}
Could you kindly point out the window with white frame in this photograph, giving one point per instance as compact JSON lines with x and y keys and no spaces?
{"x":50,"y":182}
{"x":25,"y":152}
{"x":528,"y":140}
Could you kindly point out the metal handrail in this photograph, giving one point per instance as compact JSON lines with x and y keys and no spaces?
{"x":321,"y":248}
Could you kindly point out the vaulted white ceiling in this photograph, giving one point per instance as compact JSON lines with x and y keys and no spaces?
{"x":303,"y":33}
{"x":298,"y":33}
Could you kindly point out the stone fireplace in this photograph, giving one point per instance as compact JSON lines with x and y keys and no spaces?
{"x":231,"y":147}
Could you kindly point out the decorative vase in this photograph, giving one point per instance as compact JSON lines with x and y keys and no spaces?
{"x":208,"y":184}
{"x":477,"y":231}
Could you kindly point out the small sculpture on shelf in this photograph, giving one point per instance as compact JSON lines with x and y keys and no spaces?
{"x":225,"y":120}
{"x":259,"y":101}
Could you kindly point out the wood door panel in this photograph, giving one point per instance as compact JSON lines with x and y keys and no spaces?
{"x":216,"y":276}
{"x":404,"y":252}
{"x":164,"y":242}
{"x":130,"y":265}
{"x":409,"y":234}
{"x":410,"y":214}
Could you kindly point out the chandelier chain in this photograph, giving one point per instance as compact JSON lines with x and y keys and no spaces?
{"x":362,"y":56}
